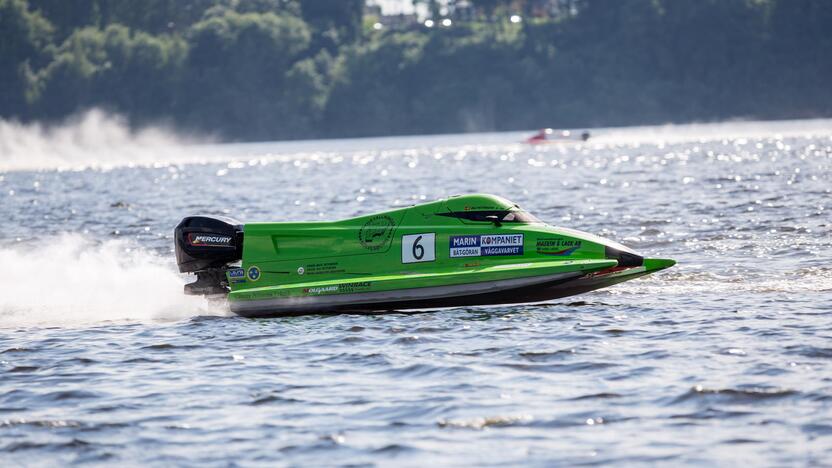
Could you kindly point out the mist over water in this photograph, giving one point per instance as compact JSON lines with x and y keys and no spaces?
{"x":92,"y":139}
{"x":723,"y":359}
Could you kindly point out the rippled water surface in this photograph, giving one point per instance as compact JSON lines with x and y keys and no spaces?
{"x":725,"y":358}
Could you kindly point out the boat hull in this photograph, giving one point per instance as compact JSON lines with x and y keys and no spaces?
{"x":510,"y":291}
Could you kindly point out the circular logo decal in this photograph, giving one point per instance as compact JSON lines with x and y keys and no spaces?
{"x":300,"y":270}
{"x":376,"y":232}
{"x":253,"y":273}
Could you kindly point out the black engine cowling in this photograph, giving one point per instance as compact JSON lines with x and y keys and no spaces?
{"x":205,"y":245}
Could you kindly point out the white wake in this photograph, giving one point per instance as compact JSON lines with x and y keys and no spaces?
{"x":70,"y":280}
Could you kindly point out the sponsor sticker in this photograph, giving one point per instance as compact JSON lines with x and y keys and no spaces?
{"x":325,"y":268}
{"x":253,"y":273}
{"x":236,"y":275}
{"x":486,"y":245}
{"x":343,"y":288}
{"x":197,"y":239}
{"x":321,"y":290}
{"x":354,"y":287}
{"x":557,"y":246}
{"x":376,"y":233}
{"x":482,"y":208}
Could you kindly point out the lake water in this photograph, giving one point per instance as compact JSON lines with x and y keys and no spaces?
{"x":724,"y":359}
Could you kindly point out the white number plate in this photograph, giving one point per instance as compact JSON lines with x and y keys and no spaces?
{"x":419,"y":248}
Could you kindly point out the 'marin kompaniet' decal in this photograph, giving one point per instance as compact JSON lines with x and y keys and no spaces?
{"x":486,"y":245}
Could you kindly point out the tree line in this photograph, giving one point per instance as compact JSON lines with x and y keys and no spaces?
{"x":280,"y":69}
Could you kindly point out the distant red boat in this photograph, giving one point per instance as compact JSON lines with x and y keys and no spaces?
{"x":547,"y":135}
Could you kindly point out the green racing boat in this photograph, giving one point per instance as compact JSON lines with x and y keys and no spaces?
{"x":460,"y":251}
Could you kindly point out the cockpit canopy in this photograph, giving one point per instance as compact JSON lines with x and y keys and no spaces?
{"x":486,"y":208}
{"x":499,"y":216}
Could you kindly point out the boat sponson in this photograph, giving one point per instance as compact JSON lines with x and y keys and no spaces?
{"x":424,"y":297}
{"x":511,"y":291}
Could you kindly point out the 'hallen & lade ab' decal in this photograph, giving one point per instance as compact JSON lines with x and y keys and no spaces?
{"x":557,"y":246}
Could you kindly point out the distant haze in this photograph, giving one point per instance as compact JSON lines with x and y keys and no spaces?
{"x":96,"y":139}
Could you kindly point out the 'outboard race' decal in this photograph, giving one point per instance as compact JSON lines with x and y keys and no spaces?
{"x":486,"y":245}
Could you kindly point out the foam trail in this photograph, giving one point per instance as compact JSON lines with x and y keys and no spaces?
{"x":92,"y":139}
{"x":72,"y":280}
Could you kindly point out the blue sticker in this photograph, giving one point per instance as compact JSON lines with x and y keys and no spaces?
{"x":254,"y":273}
{"x":236,"y":275}
{"x":486,"y":245}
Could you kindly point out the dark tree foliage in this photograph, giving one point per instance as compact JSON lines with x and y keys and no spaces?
{"x":267,"y":69}
{"x":237,"y":67}
{"x":342,"y":17}
{"x":23,"y":37}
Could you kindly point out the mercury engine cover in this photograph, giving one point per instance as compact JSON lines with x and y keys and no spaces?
{"x":205,"y":245}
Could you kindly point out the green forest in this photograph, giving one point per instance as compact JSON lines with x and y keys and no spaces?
{"x":288,"y":69}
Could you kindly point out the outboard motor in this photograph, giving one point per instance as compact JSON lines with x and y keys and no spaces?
{"x":205,"y":245}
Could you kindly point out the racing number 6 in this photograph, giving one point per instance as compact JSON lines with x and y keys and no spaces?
{"x":419,"y":247}
{"x":418,"y":250}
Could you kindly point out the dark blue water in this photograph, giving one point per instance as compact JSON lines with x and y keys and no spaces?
{"x":724,"y":359}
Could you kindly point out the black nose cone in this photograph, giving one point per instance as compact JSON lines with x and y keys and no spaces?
{"x":625,"y":259}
